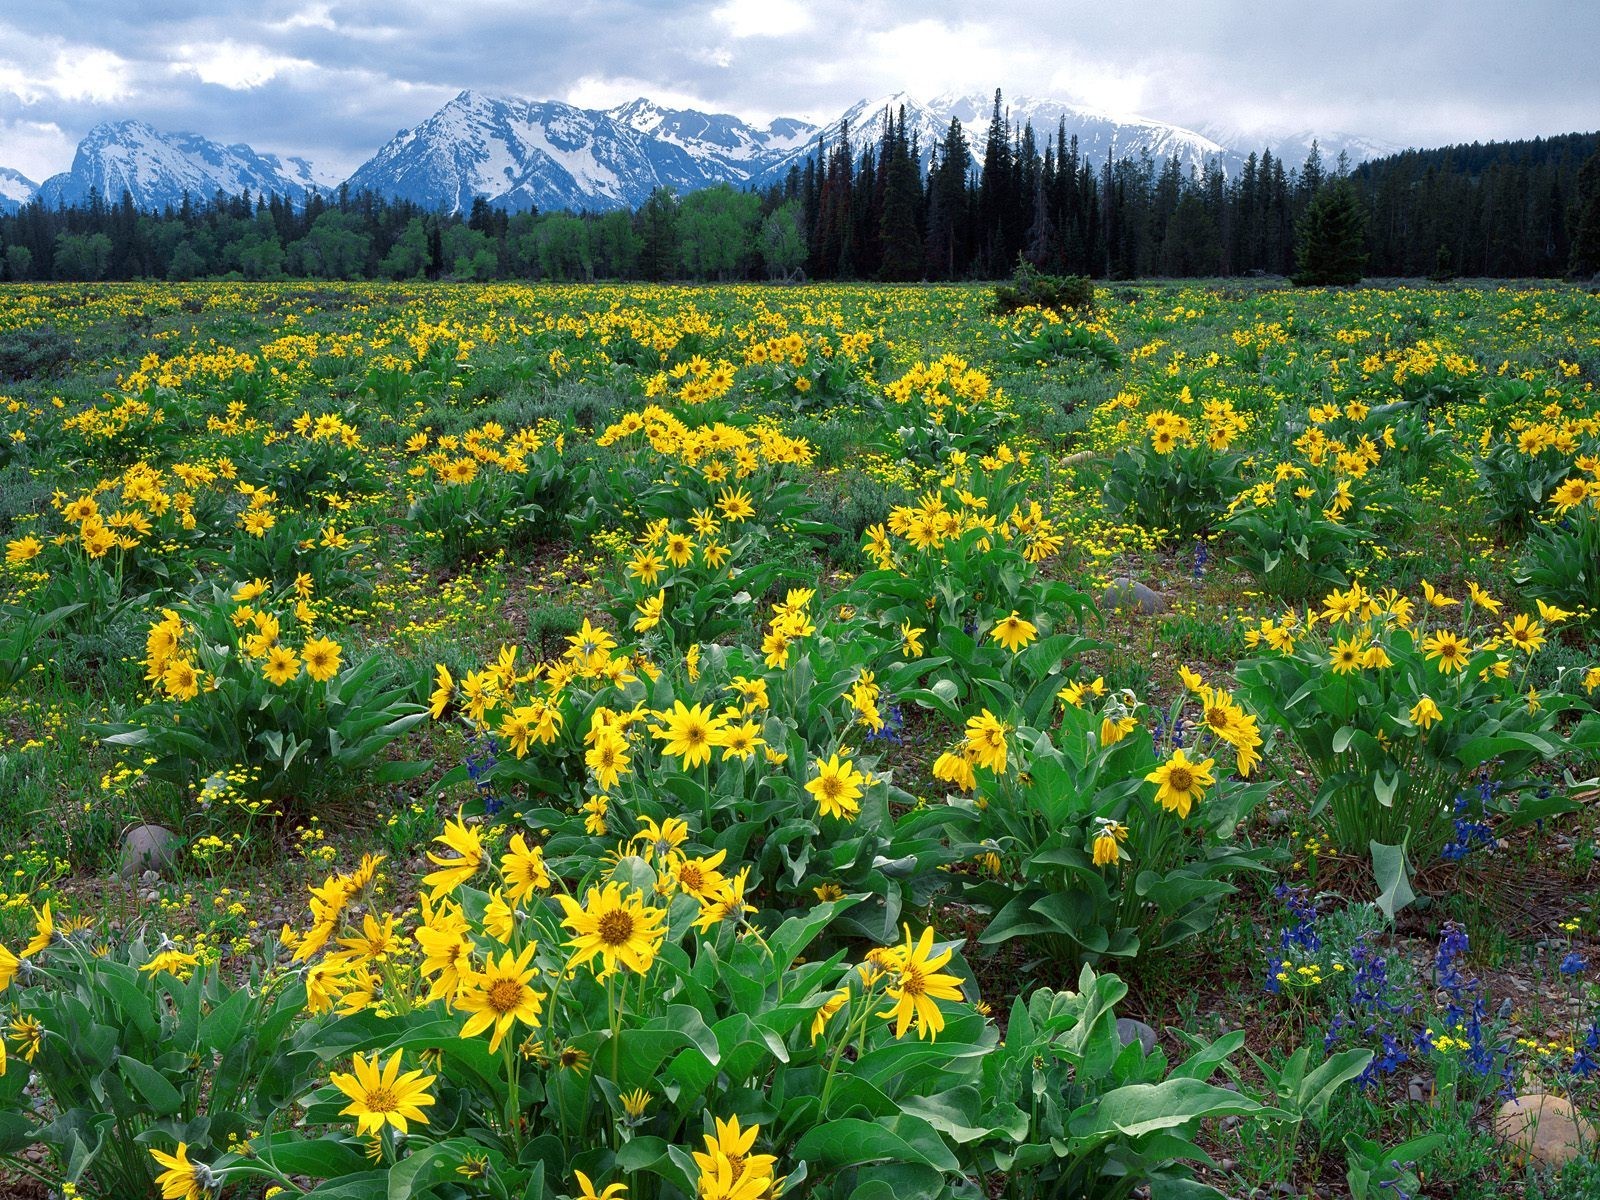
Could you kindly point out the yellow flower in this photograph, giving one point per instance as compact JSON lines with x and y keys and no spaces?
{"x":1181,"y":783}
{"x":1436,"y":599}
{"x":383,"y":1096}
{"x":613,"y":1191}
{"x":1425,"y":712}
{"x":22,"y":550}
{"x":1108,"y":839}
{"x":322,"y":658}
{"x":282,"y":665}
{"x":1524,"y":633}
{"x":1446,"y":649}
{"x":44,"y":931}
{"x":917,"y":984}
{"x":608,"y":757}
{"x":1347,"y":656}
{"x":911,"y":639}
{"x":499,"y":996}
{"x":440,"y":700}
{"x":635,"y":1102}
{"x":986,"y":738}
{"x":9,"y":963}
{"x":1013,"y":632}
{"x":1482,"y":598}
{"x":827,"y":1011}
{"x":523,"y":870}
{"x":727,"y":1164}
{"x":689,"y":733}
{"x":615,"y":923}
{"x":182,"y":1179}
{"x":838,"y":787}
{"x":453,"y":872}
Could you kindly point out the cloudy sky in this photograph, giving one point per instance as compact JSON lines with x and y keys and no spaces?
{"x":334,"y":79}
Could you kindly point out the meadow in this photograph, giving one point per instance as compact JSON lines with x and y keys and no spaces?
{"x":838,"y":741}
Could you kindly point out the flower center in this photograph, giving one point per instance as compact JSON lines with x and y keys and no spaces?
{"x":382,"y":1100}
{"x":912,"y":982}
{"x":1180,"y":779}
{"x":615,"y":928}
{"x":504,"y":995}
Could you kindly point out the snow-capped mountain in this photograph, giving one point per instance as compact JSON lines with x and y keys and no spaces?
{"x":16,"y":189}
{"x":1101,"y":134}
{"x":520,"y":153}
{"x":158,"y":168}
{"x":726,"y":147}
{"x":1294,"y":145}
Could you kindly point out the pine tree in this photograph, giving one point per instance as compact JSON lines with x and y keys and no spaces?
{"x":902,"y":202}
{"x":1332,"y":241}
{"x":1586,"y":219}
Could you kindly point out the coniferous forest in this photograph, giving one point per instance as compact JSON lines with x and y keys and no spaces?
{"x":891,"y":210}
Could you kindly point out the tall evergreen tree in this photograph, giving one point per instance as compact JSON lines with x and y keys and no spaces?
{"x":1332,"y":237}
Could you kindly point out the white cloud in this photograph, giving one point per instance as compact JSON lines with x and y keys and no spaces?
{"x":235,"y":66}
{"x":77,"y":73}
{"x":36,"y":148}
{"x":762,"y":18}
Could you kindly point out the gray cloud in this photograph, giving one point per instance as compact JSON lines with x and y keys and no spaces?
{"x":334,"y":79}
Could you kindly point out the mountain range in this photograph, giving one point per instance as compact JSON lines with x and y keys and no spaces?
{"x":518,"y":154}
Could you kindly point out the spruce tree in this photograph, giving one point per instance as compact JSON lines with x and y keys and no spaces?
{"x":1586,"y":219}
{"x":1332,"y":239}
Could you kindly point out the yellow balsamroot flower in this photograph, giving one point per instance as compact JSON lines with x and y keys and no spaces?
{"x":699,"y":877}
{"x":1551,"y":613}
{"x":499,"y":996}
{"x":1435,"y":598}
{"x":635,"y":1102}
{"x":608,"y":758}
{"x":28,"y":1034}
{"x":986,"y":737}
{"x":1482,"y":598}
{"x":1013,"y":632}
{"x":838,"y":788}
{"x":1424,"y":712}
{"x":735,"y":505}
{"x":1108,"y":838}
{"x":23,"y":550}
{"x":689,"y":733}
{"x":173,"y":961}
{"x":650,"y":610}
{"x":911,"y":639}
{"x":44,"y":931}
{"x":1524,"y":633}
{"x":180,"y":680}
{"x":830,"y":1008}
{"x":1181,"y":783}
{"x":281,"y":666}
{"x":523,"y":870}
{"x":453,"y":872}
{"x":321,"y":657}
{"x":1449,"y":651}
{"x":727,"y":1168}
{"x":615,"y":923}
{"x":741,"y":741}
{"x":9,"y":963}
{"x":613,"y":1191}
{"x":1376,"y":658}
{"x":182,"y":1179}
{"x":1347,"y":656}
{"x":917,"y":983}
{"x":440,"y":700}
{"x":382,"y":1096}
{"x":956,"y":768}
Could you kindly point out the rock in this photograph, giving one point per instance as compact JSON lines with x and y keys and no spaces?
{"x":149,"y":848}
{"x":1546,"y":1129}
{"x":1131,"y":596}
{"x":1128,"y":1030}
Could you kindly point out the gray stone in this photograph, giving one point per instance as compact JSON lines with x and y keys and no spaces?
{"x":1131,"y":596}
{"x":149,"y":848}
{"x":1128,"y":1030}
{"x":1545,"y":1129}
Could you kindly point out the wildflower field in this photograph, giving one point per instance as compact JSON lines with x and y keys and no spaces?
{"x":738,"y":742}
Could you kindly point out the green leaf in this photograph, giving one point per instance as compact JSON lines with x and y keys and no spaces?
{"x":1143,"y":1108}
{"x":835,"y":1145}
{"x":164,"y":1099}
{"x":1394,"y":884}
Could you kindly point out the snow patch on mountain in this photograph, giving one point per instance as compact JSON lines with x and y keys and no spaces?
{"x":16,"y":189}
{"x":157,"y":169}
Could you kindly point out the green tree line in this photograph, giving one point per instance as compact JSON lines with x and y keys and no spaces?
{"x":890,"y":211}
